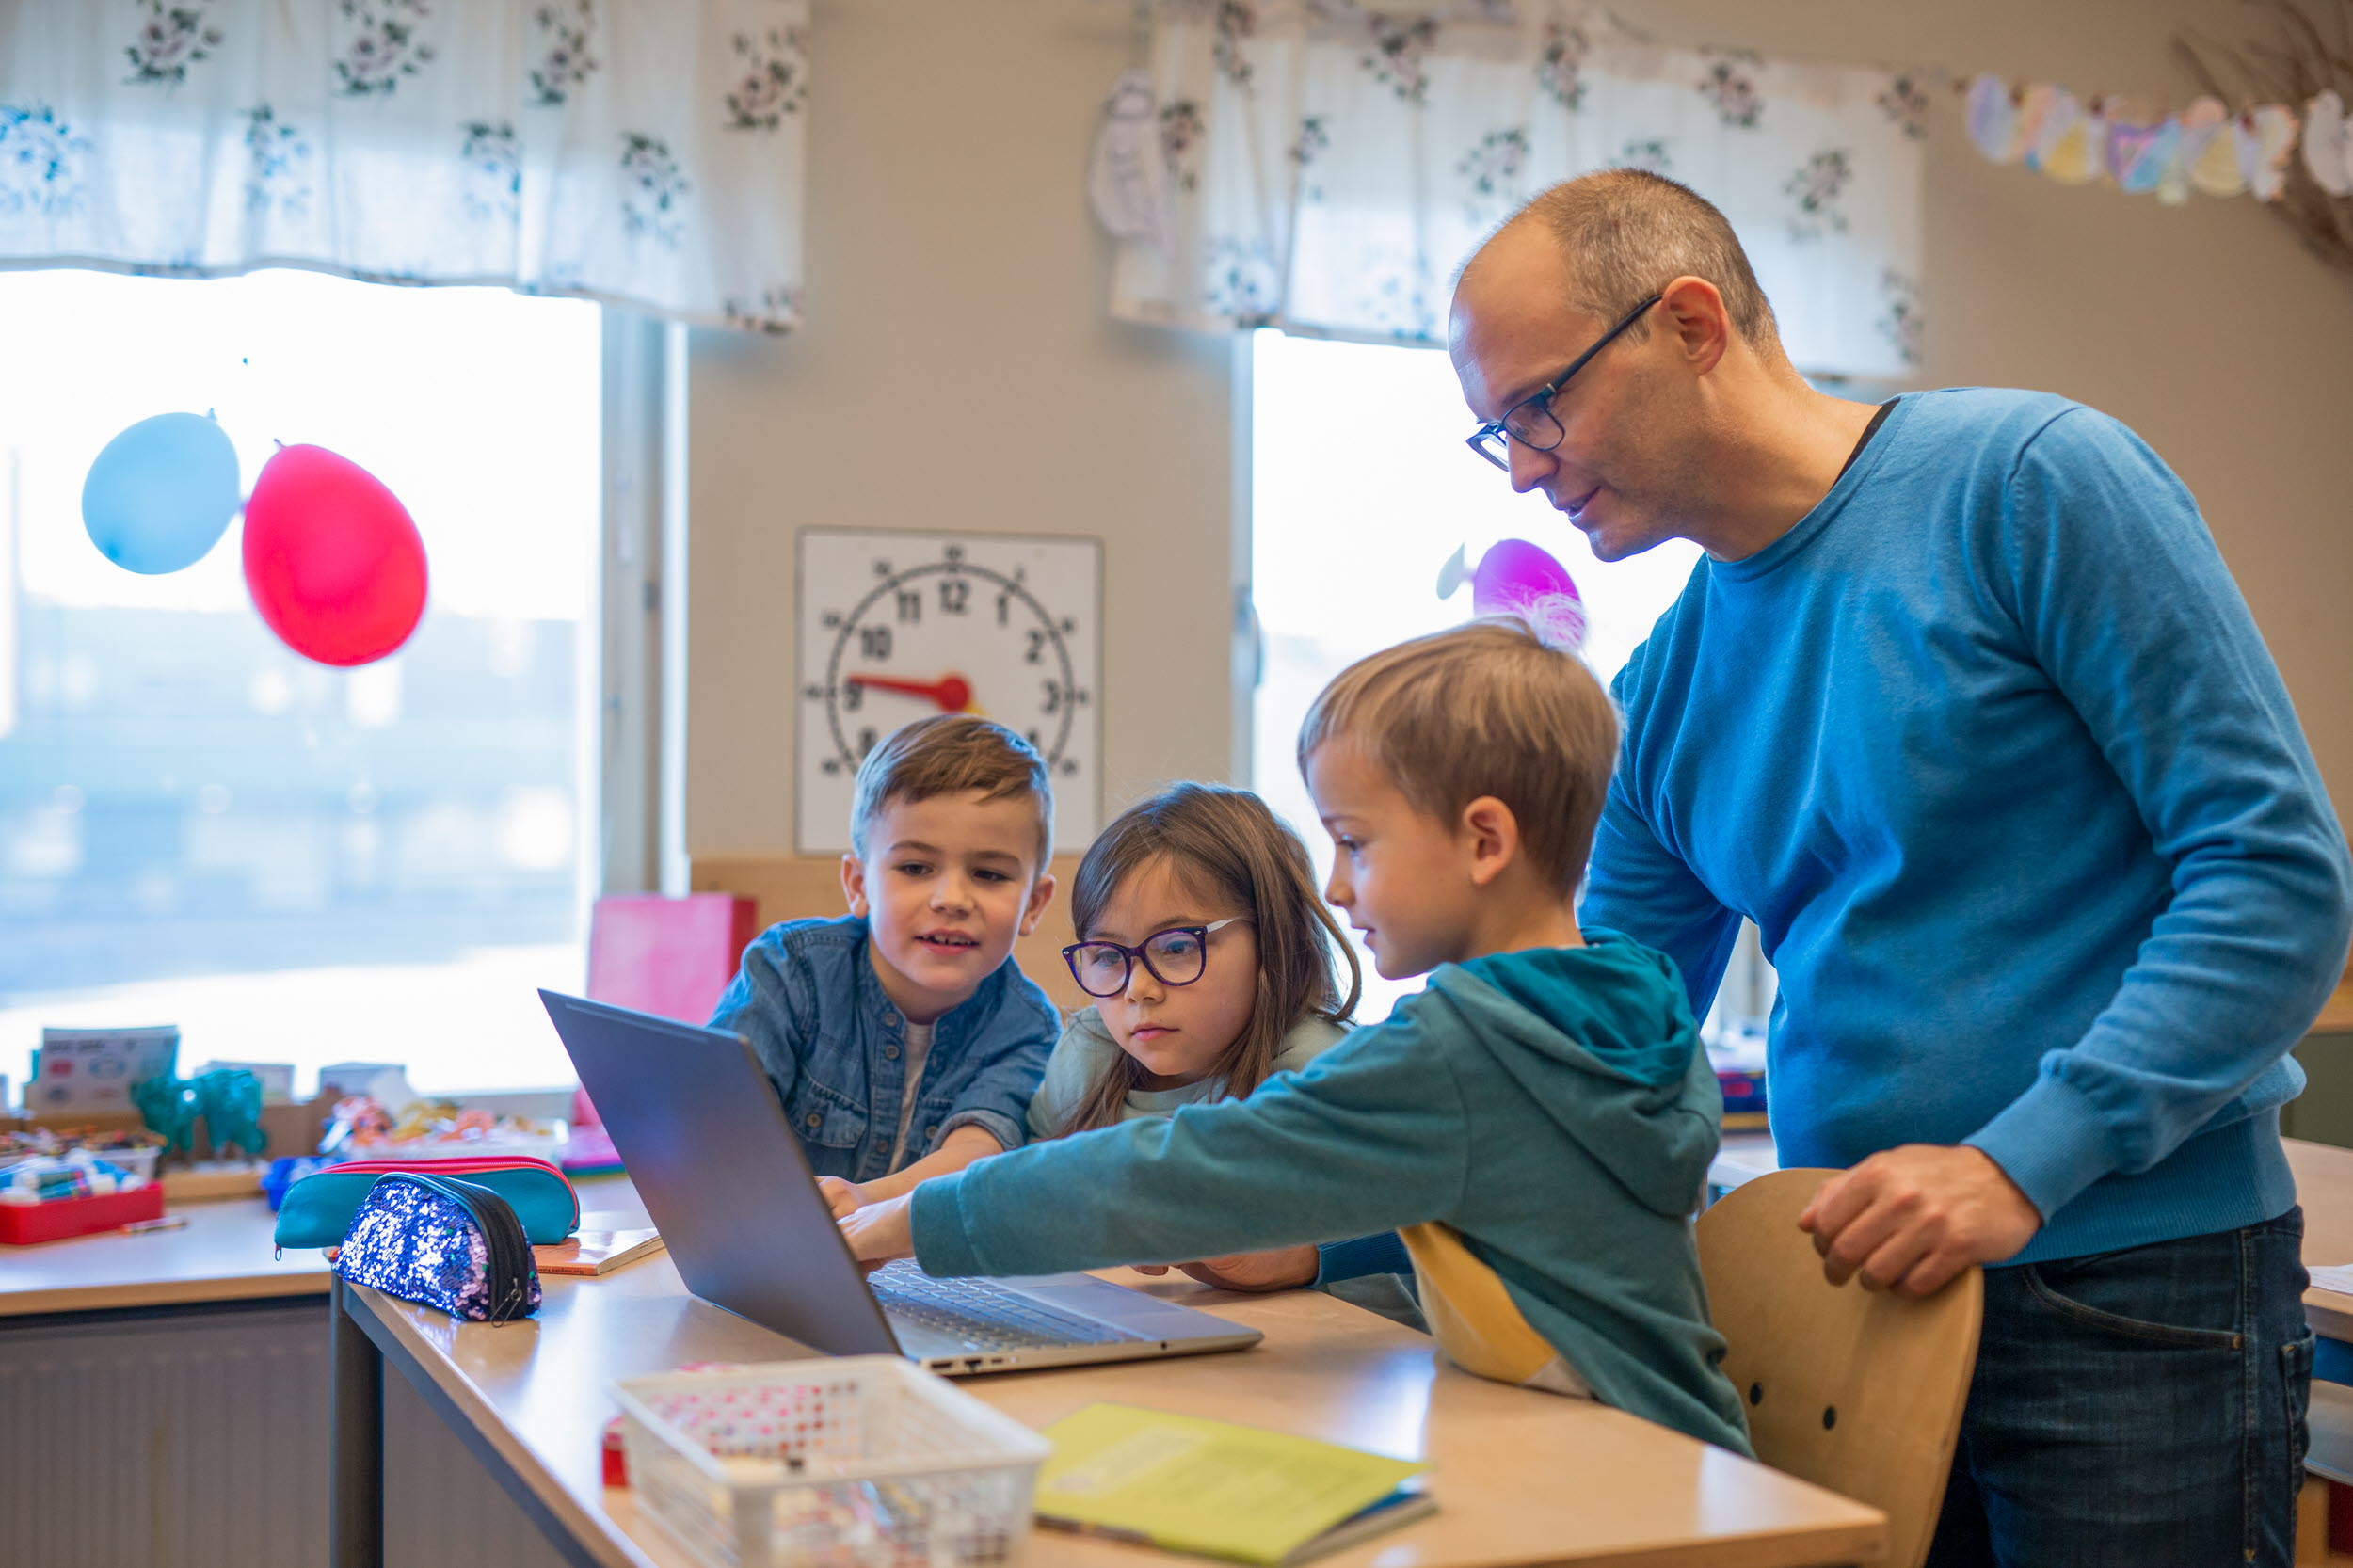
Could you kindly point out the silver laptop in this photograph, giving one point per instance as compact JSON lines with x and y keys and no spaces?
{"x":727,"y":1184}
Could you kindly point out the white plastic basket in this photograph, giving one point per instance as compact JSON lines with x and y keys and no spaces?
{"x":855,"y":1462}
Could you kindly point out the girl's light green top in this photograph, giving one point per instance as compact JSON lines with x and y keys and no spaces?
{"x":1086,"y":1051}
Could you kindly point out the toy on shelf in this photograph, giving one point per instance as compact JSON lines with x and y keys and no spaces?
{"x":229,"y":1101}
{"x":434,"y":1130}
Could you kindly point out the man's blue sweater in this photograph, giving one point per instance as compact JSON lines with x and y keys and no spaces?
{"x":1988,"y":747}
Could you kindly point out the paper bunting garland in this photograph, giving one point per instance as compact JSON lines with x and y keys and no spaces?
{"x":2204,"y":147}
{"x":2329,"y":145}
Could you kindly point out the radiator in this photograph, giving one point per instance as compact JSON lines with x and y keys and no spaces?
{"x":198,"y":1440}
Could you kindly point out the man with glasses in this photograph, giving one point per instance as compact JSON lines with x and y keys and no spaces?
{"x":1962,"y":708}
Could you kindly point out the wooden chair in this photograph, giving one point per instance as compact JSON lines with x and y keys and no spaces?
{"x":668,"y":956}
{"x":1856,"y":1390}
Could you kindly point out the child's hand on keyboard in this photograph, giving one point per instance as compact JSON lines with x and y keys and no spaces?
{"x":845,"y":1197}
{"x":879,"y":1232}
{"x":1284,"y":1268}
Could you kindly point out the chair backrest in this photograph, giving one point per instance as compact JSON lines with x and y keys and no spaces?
{"x":668,"y":956}
{"x":1856,"y":1390}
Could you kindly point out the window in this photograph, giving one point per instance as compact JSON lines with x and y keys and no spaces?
{"x":295,"y":863}
{"x":1361,"y":489}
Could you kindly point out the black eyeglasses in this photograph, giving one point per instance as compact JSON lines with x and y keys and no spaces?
{"x":1530,"y":421}
{"x":1175,"y":956}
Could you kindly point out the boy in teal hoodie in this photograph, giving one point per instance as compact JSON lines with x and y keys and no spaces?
{"x":1536,"y":1125}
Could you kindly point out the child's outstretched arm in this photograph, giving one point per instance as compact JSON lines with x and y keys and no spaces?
{"x":1371,"y":1136}
{"x":961,"y":1147}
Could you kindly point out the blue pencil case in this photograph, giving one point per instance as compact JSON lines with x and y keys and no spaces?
{"x":319,"y":1208}
{"x":447,"y":1243}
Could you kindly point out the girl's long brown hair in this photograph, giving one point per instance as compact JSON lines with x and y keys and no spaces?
{"x":1225,"y":842}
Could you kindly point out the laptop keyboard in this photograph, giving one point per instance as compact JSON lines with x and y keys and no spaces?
{"x":983,"y":1316}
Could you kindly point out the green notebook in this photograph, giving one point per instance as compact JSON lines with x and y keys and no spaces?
{"x":1217,"y":1489}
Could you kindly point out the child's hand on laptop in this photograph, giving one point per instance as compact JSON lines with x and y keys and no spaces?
{"x":1284,"y":1268}
{"x":844,"y":1198}
{"x":879,"y":1232}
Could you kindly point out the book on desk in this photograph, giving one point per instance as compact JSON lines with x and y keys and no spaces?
{"x":596,"y":1252}
{"x":1218,"y":1489}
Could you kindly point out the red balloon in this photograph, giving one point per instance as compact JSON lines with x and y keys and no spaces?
{"x":332,"y":559}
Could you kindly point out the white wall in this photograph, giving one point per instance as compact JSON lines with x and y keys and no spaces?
{"x":959,"y":368}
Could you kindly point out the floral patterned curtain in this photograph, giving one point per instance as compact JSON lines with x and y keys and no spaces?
{"x":642,"y":152}
{"x":1327,"y":166}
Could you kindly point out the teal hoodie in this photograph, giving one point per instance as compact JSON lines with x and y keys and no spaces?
{"x":1553,"y":1106}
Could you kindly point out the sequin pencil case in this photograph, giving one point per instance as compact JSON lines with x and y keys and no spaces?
{"x":448,"y":1243}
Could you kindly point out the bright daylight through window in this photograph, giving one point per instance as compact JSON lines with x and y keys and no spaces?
{"x":1361,"y":489}
{"x":291,"y":862}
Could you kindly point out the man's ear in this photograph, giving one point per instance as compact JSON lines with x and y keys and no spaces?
{"x":854,"y":883}
{"x":1041,"y":894}
{"x":1491,"y":834}
{"x":1694,"y":311}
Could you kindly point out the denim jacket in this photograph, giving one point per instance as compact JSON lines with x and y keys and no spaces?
{"x":835,"y":1046}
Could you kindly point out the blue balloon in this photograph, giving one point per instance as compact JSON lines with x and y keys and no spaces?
{"x":161,"y":493}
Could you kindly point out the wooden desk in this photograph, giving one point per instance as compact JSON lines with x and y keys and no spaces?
{"x":2324,"y":1185}
{"x":1521,"y":1478}
{"x":2336,"y":1014}
{"x":223,"y":1254}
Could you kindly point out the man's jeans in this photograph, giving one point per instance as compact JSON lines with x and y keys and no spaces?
{"x":2142,"y":1408}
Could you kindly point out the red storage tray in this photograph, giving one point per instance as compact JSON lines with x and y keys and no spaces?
{"x":22,"y":1224}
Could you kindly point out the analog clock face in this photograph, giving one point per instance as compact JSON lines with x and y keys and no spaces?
{"x":894,"y":627}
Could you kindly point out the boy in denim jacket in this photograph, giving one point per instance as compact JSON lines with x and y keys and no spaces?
{"x":902,"y":1037}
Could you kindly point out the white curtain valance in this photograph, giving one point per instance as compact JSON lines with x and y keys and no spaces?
{"x":641,"y":153}
{"x":1327,"y":167}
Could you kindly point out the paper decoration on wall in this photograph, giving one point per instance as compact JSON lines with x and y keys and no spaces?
{"x":2265,"y":140}
{"x":1516,"y":578}
{"x":332,"y":559}
{"x":2329,"y":144}
{"x":161,"y":493}
{"x":2204,"y":147}
{"x":1127,"y":177}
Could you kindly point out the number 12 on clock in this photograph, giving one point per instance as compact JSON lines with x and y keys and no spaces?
{"x":895,"y":627}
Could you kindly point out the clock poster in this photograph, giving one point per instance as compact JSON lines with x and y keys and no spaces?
{"x":895,"y":627}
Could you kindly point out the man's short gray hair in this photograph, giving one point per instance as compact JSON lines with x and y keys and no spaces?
{"x":1626,"y":232}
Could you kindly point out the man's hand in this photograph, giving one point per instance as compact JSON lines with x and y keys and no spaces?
{"x":1912,"y":1218}
{"x":880,"y":1231}
{"x":1284,"y":1268}
{"x":844,"y":1198}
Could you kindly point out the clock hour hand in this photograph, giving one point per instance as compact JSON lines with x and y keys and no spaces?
{"x":951,"y":691}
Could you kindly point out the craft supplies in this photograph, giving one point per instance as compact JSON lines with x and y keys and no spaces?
{"x":21,"y":1224}
{"x":133,"y":1151}
{"x":52,"y":1179}
{"x":46,"y":1197}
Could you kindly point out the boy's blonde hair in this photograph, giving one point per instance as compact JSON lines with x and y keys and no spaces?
{"x":1486,"y":709}
{"x":947,"y":754}
{"x":1222,"y":844}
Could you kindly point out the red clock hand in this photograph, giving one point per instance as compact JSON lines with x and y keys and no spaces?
{"x":953,"y":692}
